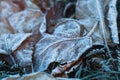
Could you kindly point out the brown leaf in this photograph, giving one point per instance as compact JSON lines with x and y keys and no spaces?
{"x":44,"y":5}
{"x":21,"y":4}
{"x":63,"y":69}
{"x":53,"y":15}
{"x":32,"y":76}
{"x":26,"y":21}
{"x":10,"y":42}
{"x":5,"y":27}
{"x":7,"y":8}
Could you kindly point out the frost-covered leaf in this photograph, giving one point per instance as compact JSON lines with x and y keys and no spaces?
{"x":20,"y":45}
{"x":68,"y":28}
{"x":42,"y":28}
{"x":24,"y":53}
{"x":62,"y":70}
{"x":38,"y":75}
{"x":26,"y":21}
{"x":5,"y":27}
{"x":32,"y":76}
{"x":10,"y":42}
{"x":67,"y":78}
{"x":24,"y":57}
{"x":58,"y":49}
{"x":3,"y":52}
{"x":65,"y":40}
{"x":38,"y":37}
{"x":88,"y":12}
{"x":8,"y":7}
{"x":22,"y":20}
{"x":112,"y":17}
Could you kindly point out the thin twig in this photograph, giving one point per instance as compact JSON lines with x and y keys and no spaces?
{"x":93,"y":29}
{"x":101,"y":17}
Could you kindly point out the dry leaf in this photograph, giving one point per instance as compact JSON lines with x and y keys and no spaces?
{"x":5,"y":27}
{"x":26,"y":21}
{"x":44,"y":5}
{"x":112,"y":17}
{"x":25,"y":51}
{"x":32,"y":76}
{"x":3,"y":52}
{"x":24,"y":58}
{"x":20,"y":4}
{"x":87,"y":12}
{"x":67,"y":79}
{"x":68,"y":28}
{"x":52,"y":49}
{"x":66,"y":39}
{"x":10,"y":42}
{"x":52,"y":16}
{"x":7,"y":8}
{"x":36,"y":37}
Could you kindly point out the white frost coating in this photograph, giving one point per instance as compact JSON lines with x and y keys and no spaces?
{"x":24,"y":57}
{"x":26,"y":21}
{"x":21,"y":38}
{"x":42,"y":28}
{"x":31,"y":5}
{"x":68,"y":28}
{"x":87,"y":12}
{"x":112,"y":17}
{"x":7,"y":11}
{"x":3,"y":52}
{"x":10,"y":42}
{"x":57,"y":49}
{"x":65,"y":44}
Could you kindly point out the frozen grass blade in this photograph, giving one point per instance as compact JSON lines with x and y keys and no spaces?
{"x":101,"y":17}
{"x":93,"y":29}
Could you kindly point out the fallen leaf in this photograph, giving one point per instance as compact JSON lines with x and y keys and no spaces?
{"x":52,"y":49}
{"x":68,"y":28}
{"x":87,"y":12}
{"x":32,"y":76}
{"x":52,"y":16}
{"x":10,"y":42}
{"x":26,"y":21}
